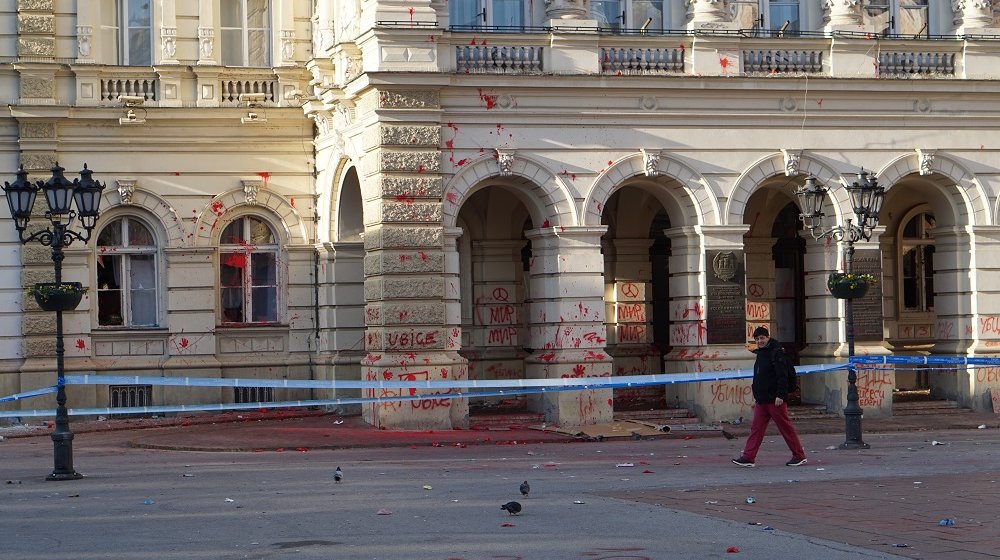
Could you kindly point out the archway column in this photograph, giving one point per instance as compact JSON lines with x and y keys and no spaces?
{"x":985,"y":325}
{"x":960,"y":321}
{"x":693,"y":347}
{"x":566,"y":332}
{"x":410,"y":263}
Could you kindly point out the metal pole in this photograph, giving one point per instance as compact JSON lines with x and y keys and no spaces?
{"x":853,"y":411}
{"x":62,"y":437}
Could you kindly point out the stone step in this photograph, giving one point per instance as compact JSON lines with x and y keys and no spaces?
{"x":924,"y":405}
{"x":504,"y":421}
{"x":675,"y":415}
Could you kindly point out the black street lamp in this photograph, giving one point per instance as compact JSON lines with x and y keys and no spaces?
{"x":866,"y":199}
{"x":60,"y":194}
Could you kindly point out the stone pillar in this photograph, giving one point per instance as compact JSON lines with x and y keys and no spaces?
{"x":284,"y":47}
{"x":972,"y":16}
{"x":207,"y":47}
{"x":691,"y":321}
{"x":985,"y":329}
{"x":565,"y":9}
{"x":707,"y":14}
{"x":453,"y":320}
{"x":953,"y":304}
{"x":407,"y":337}
{"x":36,"y":31}
{"x":761,"y":277}
{"x":86,"y":22}
{"x":341,"y":314}
{"x":842,"y":15}
{"x":168,"y":34}
{"x":566,"y":322}
{"x":497,"y":313}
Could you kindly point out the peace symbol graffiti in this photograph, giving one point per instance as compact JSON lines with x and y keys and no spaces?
{"x":630,"y":290}
{"x":756,"y":290}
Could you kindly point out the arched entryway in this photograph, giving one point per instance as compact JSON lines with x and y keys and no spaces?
{"x":774,"y":256}
{"x":637,"y":293}
{"x":494,"y":256}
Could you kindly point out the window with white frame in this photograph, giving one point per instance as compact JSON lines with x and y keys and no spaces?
{"x":916,"y":263}
{"x":897,"y":17}
{"x":246,"y":33}
{"x":489,"y":13}
{"x":767,"y":16}
{"x":127,"y":32}
{"x":248,"y":272}
{"x":127,"y":274}
{"x":650,"y":16}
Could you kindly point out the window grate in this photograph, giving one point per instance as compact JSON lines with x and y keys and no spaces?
{"x":125,"y":396}
{"x":253,"y":394}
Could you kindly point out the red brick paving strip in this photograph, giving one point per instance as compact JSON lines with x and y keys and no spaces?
{"x":873,"y":513}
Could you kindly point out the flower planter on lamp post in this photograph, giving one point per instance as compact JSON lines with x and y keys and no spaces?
{"x":849,"y":286}
{"x":866,"y":200}
{"x":60,"y":196}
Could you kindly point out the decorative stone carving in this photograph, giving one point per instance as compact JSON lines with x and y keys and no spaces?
{"x":36,"y":23}
{"x":505,"y":160}
{"x":409,"y":100}
{"x":38,"y":161}
{"x":168,"y":42}
{"x":839,"y":13}
{"x":926,"y":158}
{"x":706,"y":11}
{"x":972,"y":14}
{"x":250,"y":188}
{"x":84,"y":33}
{"x":792,"y":158}
{"x":651,"y":162}
{"x":37,"y":86}
{"x":36,"y":46}
{"x":37,"y":130}
{"x":565,"y":9}
{"x":126,"y":188}
{"x":287,"y":45}
{"x":206,"y":42}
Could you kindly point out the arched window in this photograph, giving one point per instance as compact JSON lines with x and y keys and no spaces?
{"x":127,"y":291}
{"x":916,"y":263}
{"x":248,"y":272}
{"x":126,"y":32}
{"x":246,"y":33}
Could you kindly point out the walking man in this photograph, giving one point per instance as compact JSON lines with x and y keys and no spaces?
{"x":770,"y":391}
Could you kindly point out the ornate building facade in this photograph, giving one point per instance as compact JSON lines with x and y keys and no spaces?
{"x":432,"y":190}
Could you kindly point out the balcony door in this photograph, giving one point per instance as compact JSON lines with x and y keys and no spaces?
{"x":499,"y":14}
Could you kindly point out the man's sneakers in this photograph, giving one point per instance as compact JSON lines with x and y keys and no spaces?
{"x":742,"y":461}
{"x":794,"y":462}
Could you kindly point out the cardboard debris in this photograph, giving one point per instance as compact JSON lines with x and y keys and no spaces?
{"x":627,"y":429}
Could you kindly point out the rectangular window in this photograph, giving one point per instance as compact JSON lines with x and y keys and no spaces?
{"x":139,"y":42}
{"x":610,"y":14}
{"x":246,"y":33}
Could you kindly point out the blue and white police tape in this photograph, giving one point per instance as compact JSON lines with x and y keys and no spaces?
{"x":509,"y":387}
{"x":926,"y":360}
{"x":27,"y":394}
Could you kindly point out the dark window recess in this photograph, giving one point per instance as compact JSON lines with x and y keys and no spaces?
{"x":253,"y":394}
{"x":128,"y":396}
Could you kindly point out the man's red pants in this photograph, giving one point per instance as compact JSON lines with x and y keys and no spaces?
{"x":762,"y":415}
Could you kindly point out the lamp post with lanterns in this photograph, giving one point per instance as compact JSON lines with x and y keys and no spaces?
{"x":60,"y":195}
{"x":866,"y":199}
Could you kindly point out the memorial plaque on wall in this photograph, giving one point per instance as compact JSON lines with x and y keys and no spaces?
{"x":868,"y":310}
{"x":726,"y":309}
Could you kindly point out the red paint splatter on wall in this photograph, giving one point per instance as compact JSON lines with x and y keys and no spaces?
{"x":546,"y":224}
{"x":406,"y":199}
{"x":292,"y":201}
{"x":724,"y":63}
{"x":423,"y":255}
{"x":490,"y":101}
{"x":420,"y":169}
{"x":80,"y":344}
{"x":218,"y":208}
{"x":184,"y":343}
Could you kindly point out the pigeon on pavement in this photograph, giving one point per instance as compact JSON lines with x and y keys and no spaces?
{"x":525,"y":488}
{"x":338,"y":475}
{"x":512,"y":508}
